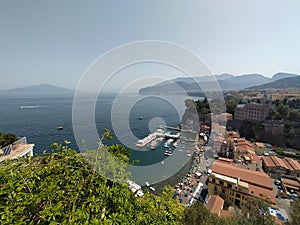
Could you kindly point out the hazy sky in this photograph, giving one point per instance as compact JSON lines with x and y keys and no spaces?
{"x":55,"y":41}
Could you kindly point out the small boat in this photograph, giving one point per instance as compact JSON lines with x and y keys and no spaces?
{"x":168,"y":153}
{"x":59,"y":128}
{"x":152,"y":188}
{"x":147,"y":184}
{"x":188,"y":154}
{"x":140,"y":118}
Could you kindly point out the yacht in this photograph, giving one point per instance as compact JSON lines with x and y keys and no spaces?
{"x":59,"y":128}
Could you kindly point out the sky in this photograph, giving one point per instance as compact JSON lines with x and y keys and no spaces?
{"x":55,"y":41}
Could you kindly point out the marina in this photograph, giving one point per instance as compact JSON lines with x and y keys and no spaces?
{"x":154,"y":139}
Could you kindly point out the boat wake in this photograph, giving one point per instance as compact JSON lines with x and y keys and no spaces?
{"x":33,"y":106}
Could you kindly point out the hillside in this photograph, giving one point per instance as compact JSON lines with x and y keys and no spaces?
{"x":225,"y":81}
{"x":289,"y":82}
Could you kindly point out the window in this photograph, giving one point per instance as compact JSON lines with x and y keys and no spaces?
{"x":221,"y":182}
{"x":229,"y":185}
{"x":214,"y":180}
{"x":223,"y":191}
{"x":237,"y":195}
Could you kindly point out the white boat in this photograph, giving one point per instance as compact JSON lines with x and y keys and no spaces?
{"x":59,"y":128}
{"x":188,"y":154}
{"x":147,"y":184}
{"x":170,"y":140}
{"x":156,"y":142}
{"x":176,"y":143}
{"x":152,"y":188}
{"x":143,"y":142}
{"x":168,"y":153}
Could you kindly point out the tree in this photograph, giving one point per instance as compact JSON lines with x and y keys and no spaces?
{"x":7,"y":139}
{"x":231,"y":106}
{"x":294,"y":210}
{"x":294,"y":116}
{"x":62,"y":188}
{"x":283,"y":111}
{"x":197,"y":214}
{"x":189,"y":103}
{"x":257,"y":214}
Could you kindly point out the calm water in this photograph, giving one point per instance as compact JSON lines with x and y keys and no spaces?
{"x":37,"y":119}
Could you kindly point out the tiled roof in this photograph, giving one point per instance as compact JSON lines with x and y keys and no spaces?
{"x":287,"y":163}
{"x":260,"y":192}
{"x":293,"y":163}
{"x":215,"y":204}
{"x":253,"y":157}
{"x":268,"y":161}
{"x":290,"y":182}
{"x":250,"y":176}
{"x":278,"y":162}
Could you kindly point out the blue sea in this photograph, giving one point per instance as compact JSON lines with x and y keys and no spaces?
{"x":38,"y":119}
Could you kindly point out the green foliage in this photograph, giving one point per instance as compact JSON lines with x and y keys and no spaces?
{"x":231,"y":105}
{"x":286,"y":110}
{"x":257,"y":214}
{"x":294,"y":210}
{"x":7,"y":139}
{"x":197,"y":214}
{"x":247,"y":130}
{"x":215,"y":106}
{"x":294,"y":116}
{"x":283,"y":111}
{"x":62,"y":188}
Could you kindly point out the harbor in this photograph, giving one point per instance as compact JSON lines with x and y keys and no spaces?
{"x":154,"y":139}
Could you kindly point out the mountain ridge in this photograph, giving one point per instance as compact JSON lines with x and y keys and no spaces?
{"x":225,"y":82}
{"x":42,"y":90}
{"x":287,"y":82}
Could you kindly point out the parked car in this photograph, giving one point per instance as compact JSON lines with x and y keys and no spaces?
{"x":277,"y":182}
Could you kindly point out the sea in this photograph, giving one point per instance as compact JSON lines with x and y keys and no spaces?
{"x":129,"y":117}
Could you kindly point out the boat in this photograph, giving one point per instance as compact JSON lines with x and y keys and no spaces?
{"x":59,"y":128}
{"x":176,"y":143}
{"x":188,"y":153}
{"x":156,"y":142}
{"x":140,"y":118}
{"x":152,"y":188}
{"x":168,"y":153}
{"x":143,"y":142}
{"x":147,"y":184}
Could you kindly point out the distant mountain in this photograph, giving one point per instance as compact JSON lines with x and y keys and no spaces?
{"x":281,"y":75}
{"x":43,"y":90}
{"x":289,"y":82}
{"x":225,"y":81}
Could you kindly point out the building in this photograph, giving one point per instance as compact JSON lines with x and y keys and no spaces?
{"x":290,"y":185}
{"x":20,"y":148}
{"x":238,"y":186}
{"x":215,"y":205}
{"x":278,"y":167}
{"x":281,"y":95}
{"x":252,"y":112}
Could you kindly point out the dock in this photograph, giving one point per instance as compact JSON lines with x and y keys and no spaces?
{"x":159,"y":133}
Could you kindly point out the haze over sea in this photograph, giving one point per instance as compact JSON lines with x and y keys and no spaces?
{"x":38,"y":118}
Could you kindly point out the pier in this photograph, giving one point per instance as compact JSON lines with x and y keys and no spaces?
{"x":178,"y":129}
{"x":159,"y":133}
